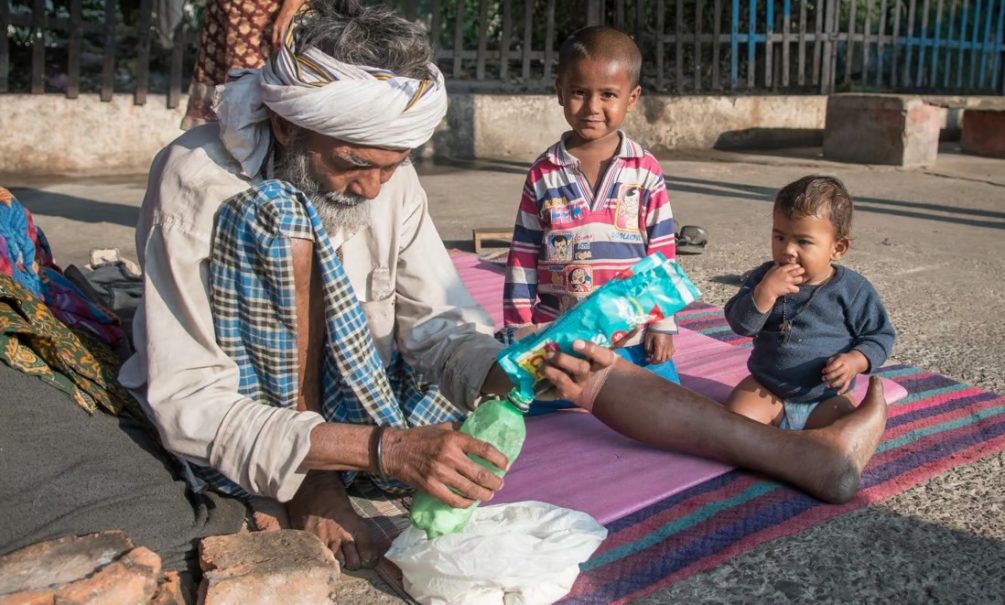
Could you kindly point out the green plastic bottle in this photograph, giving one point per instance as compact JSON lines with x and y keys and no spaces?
{"x":496,"y":421}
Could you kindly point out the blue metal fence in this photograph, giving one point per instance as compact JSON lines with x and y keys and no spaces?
{"x":832,"y":45}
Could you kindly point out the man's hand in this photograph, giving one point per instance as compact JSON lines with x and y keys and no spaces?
{"x":574,"y":377}
{"x":321,"y":507}
{"x":841,"y":369}
{"x":778,"y":281}
{"x":435,"y":458}
{"x":659,"y":346}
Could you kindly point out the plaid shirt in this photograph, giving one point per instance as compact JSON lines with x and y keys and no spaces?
{"x":253,"y":298}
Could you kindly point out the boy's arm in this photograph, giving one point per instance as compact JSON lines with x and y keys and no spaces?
{"x":874,"y":333}
{"x":741,"y":311}
{"x":520,"y":290}
{"x":659,"y":227}
{"x":658,"y":216}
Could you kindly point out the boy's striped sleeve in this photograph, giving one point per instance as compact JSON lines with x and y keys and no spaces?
{"x":660,"y":223}
{"x":520,"y":290}
{"x":660,"y":226}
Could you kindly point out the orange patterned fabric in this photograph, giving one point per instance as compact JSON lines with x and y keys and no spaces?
{"x":235,"y":34}
{"x":33,"y":341}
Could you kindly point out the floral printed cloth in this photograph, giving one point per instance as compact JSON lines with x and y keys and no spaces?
{"x":26,"y":258}
{"x":33,"y":341}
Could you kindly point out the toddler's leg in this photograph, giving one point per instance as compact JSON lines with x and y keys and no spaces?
{"x":830,"y":411}
{"x":751,"y":399}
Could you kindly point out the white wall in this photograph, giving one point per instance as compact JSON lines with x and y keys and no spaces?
{"x":50,"y":134}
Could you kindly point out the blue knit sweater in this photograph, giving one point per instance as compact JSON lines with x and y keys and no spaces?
{"x":845,"y":314}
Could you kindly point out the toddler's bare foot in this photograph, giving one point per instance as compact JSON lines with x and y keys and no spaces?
{"x":851,"y":441}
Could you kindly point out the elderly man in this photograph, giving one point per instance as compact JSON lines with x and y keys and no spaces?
{"x":302,"y":321}
{"x":335,"y":113}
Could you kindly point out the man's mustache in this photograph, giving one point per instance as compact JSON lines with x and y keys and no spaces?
{"x":344,"y":199}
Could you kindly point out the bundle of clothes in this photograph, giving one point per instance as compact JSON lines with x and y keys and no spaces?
{"x":49,"y":326}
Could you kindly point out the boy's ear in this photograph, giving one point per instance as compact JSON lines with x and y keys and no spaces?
{"x":841,"y":248}
{"x":558,"y":91}
{"x":633,"y":98}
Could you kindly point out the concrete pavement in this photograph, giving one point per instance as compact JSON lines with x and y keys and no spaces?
{"x":929,"y":239}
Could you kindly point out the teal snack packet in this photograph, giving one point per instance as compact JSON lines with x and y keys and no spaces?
{"x":650,"y":290}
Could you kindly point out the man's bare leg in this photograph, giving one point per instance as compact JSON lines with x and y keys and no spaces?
{"x":830,"y":411}
{"x":826,"y":462}
{"x":322,"y":507}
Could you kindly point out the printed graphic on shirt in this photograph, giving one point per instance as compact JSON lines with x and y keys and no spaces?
{"x":559,"y":210}
{"x":630,"y":237}
{"x":560,"y":247}
{"x":626,"y":216}
{"x":578,"y":278}
{"x":559,"y":215}
{"x":583,"y":247}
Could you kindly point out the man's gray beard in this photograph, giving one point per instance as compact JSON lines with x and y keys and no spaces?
{"x":345,"y":211}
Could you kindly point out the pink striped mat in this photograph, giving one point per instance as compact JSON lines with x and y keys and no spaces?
{"x":569,"y":454}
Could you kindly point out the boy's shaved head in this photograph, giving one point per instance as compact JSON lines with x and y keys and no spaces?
{"x":601,"y":42}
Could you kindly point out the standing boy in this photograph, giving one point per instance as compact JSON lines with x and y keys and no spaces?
{"x":595,"y":202}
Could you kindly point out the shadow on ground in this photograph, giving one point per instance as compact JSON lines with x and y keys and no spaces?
{"x":952,"y":214}
{"x":47,"y":203}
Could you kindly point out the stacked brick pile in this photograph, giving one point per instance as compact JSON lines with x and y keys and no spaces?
{"x":286,"y":566}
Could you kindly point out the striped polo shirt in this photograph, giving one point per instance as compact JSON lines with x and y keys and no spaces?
{"x":569,"y":240}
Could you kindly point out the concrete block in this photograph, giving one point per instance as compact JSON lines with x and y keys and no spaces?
{"x":902,"y":130}
{"x":984,"y":132}
{"x":284,"y":566}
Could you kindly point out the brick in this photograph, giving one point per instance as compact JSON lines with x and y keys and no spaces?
{"x":33,"y":597}
{"x":984,"y":132}
{"x":132,"y":580}
{"x":61,"y":561}
{"x":169,"y":590}
{"x":284,"y":566}
{"x":902,"y":130}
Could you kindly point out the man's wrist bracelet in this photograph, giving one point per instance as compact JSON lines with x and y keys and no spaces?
{"x":377,"y":450}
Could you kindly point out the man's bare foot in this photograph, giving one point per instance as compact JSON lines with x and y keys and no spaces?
{"x":850,"y":443}
{"x":268,"y":514}
{"x":322,"y":507}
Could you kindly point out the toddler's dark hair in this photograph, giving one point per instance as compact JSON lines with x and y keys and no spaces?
{"x":601,"y":42}
{"x":814,"y":194}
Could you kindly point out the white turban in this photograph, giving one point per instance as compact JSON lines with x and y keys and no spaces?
{"x":357,"y":104}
